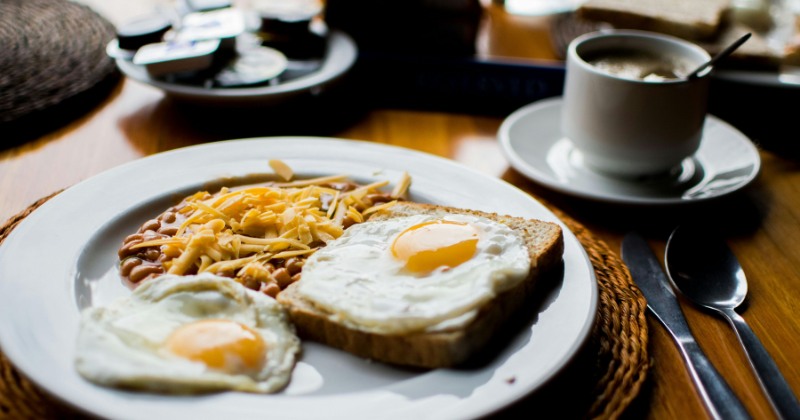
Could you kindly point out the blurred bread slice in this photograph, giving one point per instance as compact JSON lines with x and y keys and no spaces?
{"x":706,"y":22}
{"x":792,"y":48}
{"x":792,"y":51}
{"x":753,"y":54}
{"x":688,"y":19}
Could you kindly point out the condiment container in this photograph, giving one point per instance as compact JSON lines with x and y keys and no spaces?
{"x":175,"y":57}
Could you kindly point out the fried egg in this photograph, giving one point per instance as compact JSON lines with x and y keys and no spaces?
{"x":188,"y":334}
{"x":416,"y":273}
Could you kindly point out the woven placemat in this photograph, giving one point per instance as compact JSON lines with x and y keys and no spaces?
{"x":619,"y":335}
{"x":51,"y":51}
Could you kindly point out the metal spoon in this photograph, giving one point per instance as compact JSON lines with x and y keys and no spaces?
{"x":720,"y":55}
{"x":706,"y":271}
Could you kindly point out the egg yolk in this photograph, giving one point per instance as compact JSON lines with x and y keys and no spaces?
{"x":220,"y":344}
{"x":428,"y":246}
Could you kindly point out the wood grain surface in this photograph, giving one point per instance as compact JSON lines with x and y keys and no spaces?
{"x":762,"y":225}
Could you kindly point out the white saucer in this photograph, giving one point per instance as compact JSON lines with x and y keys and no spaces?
{"x":532,"y":141}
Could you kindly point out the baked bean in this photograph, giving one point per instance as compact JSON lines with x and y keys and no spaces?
{"x":168,"y":230}
{"x":152,"y":254}
{"x":141,"y":271}
{"x":341,"y":186}
{"x":294,"y":265}
{"x":379,"y":198}
{"x":295,"y":277}
{"x":225,"y":273}
{"x":269,"y":267}
{"x":348,"y":221}
{"x":127,"y":265}
{"x":153,"y":225}
{"x":251,"y":283}
{"x":270,"y":289}
{"x":282,"y":277}
{"x":168,"y":217}
{"x":126,"y":249}
{"x":164,"y":258}
{"x":151,"y":236}
{"x":149,"y":277}
{"x":134,"y":237}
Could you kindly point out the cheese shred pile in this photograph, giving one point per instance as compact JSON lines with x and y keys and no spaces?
{"x":241,"y":230}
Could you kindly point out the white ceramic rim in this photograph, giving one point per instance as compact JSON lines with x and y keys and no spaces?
{"x":572,"y":52}
{"x":27,"y":353}
{"x":504,"y":137}
{"x":771,"y":79}
{"x":340,"y":56}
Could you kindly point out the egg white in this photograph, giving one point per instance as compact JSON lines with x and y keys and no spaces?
{"x":121,"y":345}
{"x":358,"y":280}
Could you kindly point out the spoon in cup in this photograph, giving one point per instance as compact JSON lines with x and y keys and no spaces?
{"x":720,"y":55}
{"x":706,"y":271}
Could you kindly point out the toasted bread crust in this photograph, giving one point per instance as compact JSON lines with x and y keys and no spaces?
{"x":441,"y":348}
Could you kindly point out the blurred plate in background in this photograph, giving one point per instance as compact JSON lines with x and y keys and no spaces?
{"x":341,"y":53}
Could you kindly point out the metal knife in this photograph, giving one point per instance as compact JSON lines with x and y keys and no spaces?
{"x":721,"y":402}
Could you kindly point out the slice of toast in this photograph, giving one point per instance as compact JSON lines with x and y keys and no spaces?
{"x":545,"y":244}
{"x":688,"y":19}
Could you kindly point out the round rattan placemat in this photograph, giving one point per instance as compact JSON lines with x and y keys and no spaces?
{"x":619,"y":335}
{"x":51,"y":50}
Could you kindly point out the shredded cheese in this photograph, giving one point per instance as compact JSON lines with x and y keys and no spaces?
{"x":307,"y":182}
{"x":332,"y":205}
{"x":257,"y":241}
{"x":402,"y":186}
{"x":212,"y":211}
{"x":288,"y":254}
{"x":156,"y":242}
{"x":243,"y":229}
{"x":378,"y":208}
{"x":281,"y":169}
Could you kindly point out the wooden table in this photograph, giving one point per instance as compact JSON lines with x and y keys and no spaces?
{"x":762,"y":225}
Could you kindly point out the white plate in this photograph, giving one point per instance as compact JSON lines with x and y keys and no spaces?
{"x":531,"y":140}
{"x":63,"y":256}
{"x":341,"y":53}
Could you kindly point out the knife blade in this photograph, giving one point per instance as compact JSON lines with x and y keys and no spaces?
{"x":646,"y":272}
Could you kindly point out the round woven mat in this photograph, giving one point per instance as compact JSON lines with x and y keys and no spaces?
{"x":50,"y":50}
{"x":619,"y":335}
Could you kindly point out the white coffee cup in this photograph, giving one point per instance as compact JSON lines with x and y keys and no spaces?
{"x":628,"y":127}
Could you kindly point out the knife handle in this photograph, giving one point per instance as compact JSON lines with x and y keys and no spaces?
{"x":772,"y":381}
{"x":720,"y":400}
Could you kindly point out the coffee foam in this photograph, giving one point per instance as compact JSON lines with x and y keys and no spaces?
{"x":639,"y":65}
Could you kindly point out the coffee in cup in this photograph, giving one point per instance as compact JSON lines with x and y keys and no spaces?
{"x":639,"y":65}
{"x":627,"y":107}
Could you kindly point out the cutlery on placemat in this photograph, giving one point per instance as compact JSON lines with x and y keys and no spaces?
{"x":646,"y":272}
{"x":705,"y":270}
